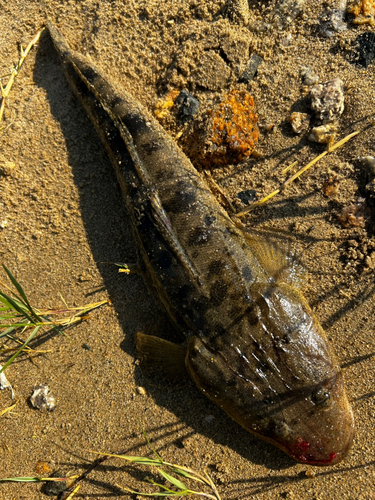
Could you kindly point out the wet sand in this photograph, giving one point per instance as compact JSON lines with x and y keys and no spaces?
{"x":64,"y":224}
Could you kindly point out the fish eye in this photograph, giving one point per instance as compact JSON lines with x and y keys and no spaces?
{"x":321,"y":397}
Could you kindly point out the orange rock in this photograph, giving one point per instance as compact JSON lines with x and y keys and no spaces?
{"x":231,"y":130}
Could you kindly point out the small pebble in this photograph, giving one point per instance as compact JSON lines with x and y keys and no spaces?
{"x":141,"y":390}
{"x":4,"y":383}
{"x":327,"y":100}
{"x":354,"y":214}
{"x":309,"y":78}
{"x":251,"y":69}
{"x":332,"y":22}
{"x":323,"y":134}
{"x":86,"y":347}
{"x":188,"y":105}
{"x":299,"y":121}
{"x":228,"y":133}
{"x":247,"y":196}
{"x":42,"y":468}
{"x":286,"y":11}
{"x":330,"y":188}
{"x":209,"y":419}
{"x":6,"y":168}
{"x":368,"y":262}
{"x":54,"y":488}
{"x":42,"y":399}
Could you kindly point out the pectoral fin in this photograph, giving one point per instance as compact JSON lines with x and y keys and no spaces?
{"x":161,"y":356}
{"x":278,"y":259}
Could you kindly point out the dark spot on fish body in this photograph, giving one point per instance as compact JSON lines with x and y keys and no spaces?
{"x":218,"y":293}
{"x":199,"y":236}
{"x":135,"y":123}
{"x":150,"y":147}
{"x":220,"y":331}
{"x":215,"y":268}
{"x":162,"y":175}
{"x":247,"y":273}
{"x":181,"y":201}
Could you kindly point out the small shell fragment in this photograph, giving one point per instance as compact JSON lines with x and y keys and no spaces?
{"x":327,"y":100}
{"x":354,"y":215}
{"x":299,"y":121}
{"x":309,"y":78}
{"x":42,"y":399}
{"x":323,"y":134}
{"x":4,"y":384}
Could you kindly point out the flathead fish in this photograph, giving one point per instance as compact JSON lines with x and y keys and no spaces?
{"x":253,"y":345}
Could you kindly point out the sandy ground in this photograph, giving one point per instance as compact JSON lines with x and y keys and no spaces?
{"x":63,"y":224}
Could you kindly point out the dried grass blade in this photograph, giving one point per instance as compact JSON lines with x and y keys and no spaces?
{"x":6,"y":410}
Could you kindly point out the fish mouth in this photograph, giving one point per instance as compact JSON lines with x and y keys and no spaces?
{"x":303,"y":452}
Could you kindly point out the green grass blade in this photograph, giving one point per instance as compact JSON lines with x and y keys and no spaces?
{"x":34,"y":332}
{"x":186,"y":474}
{"x":150,"y":445}
{"x":16,"y":305}
{"x":156,"y":494}
{"x":7,"y":332}
{"x":19,"y":325}
{"x":18,"y":287}
{"x":4,"y":301}
{"x":179,"y":484}
{"x":31,"y":479}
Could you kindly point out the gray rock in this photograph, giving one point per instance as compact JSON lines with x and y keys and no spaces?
{"x":251,"y":69}
{"x":332,"y":22}
{"x":187,"y":105}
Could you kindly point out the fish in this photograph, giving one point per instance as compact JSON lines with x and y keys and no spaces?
{"x":252,"y":344}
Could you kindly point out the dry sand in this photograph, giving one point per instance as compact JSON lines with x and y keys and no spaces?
{"x":63,"y":223}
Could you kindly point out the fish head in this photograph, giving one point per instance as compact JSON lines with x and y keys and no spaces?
{"x":274,"y":373}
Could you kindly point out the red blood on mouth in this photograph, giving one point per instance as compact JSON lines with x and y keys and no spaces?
{"x":302,"y":444}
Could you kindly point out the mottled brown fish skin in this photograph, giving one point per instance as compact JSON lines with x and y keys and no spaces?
{"x":254,"y":346}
